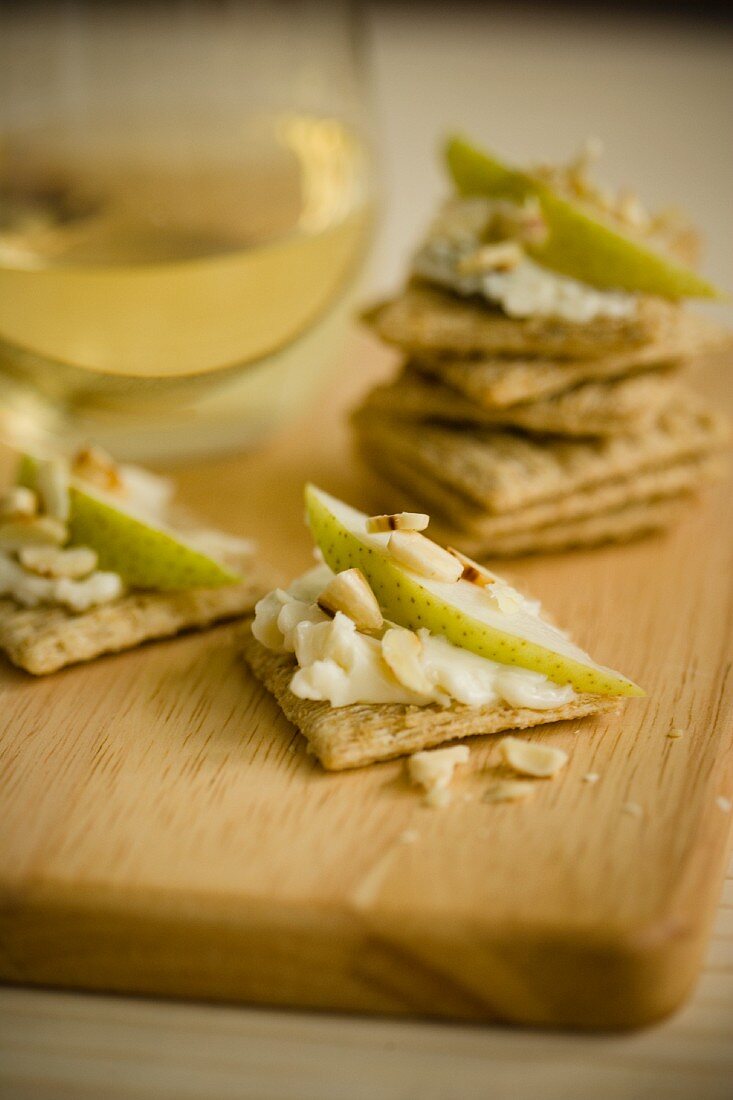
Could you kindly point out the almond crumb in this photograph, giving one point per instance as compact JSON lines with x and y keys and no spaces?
{"x":437,"y":797}
{"x":399,"y":521}
{"x":31,"y":531}
{"x":633,"y":809}
{"x":433,"y":771}
{"x":401,"y":651}
{"x":94,"y":465}
{"x":17,"y":502}
{"x":508,"y":790}
{"x":503,"y":256}
{"x":675,"y":734}
{"x":531,"y":758}
{"x":423,"y":556}
{"x":472,"y":571}
{"x":51,"y":561}
{"x":724,"y":804}
{"x":591,"y":777}
{"x":349,"y":592}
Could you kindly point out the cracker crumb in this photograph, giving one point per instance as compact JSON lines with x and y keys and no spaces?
{"x":633,"y":809}
{"x":591,"y":777}
{"x":508,"y":790}
{"x":531,"y":758}
{"x":675,"y":733}
{"x":724,"y":804}
{"x":433,"y":771}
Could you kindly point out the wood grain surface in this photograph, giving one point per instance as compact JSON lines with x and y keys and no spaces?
{"x":165,"y":831}
{"x":72,"y":1046}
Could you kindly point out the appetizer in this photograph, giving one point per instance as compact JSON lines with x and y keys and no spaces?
{"x":91,"y":563}
{"x":393,"y":644}
{"x":539,"y":405}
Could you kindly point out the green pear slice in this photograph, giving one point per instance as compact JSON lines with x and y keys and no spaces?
{"x":577,"y":244}
{"x":144,"y":554}
{"x":464,"y":613}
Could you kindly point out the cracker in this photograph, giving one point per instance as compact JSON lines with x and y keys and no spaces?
{"x":590,"y":409}
{"x":405,"y":489}
{"x":618,"y":526}
{"x":45,"y":639}
{"x":425,"y":320}
{"x":502,"y":471}
{"x":498,"y":382}
{"x":353,"y":736}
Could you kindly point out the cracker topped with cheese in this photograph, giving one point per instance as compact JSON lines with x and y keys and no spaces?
{"x":393,"y":644}
{"x":543,"y":331}
{"x":92,"y":563}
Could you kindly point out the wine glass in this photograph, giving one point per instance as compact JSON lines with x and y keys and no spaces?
{"x":185,"y":201}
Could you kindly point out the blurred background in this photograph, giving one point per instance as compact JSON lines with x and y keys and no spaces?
{"x":188,"y":189}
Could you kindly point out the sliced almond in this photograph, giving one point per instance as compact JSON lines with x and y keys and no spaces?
{"x":423,"y":556}
{"x":349,"y":592}
{"x":504,"y":256}
{"x":94,"y":465}
{"x":52,"y":483}
{"x":400,"y":521}
{"x":50,"y":561}
{"x":401,"y":650}
{"x":31,"y":531}
{"x":508,"y":790}
{"x":531,"y":758}
{"x":18,"y":501}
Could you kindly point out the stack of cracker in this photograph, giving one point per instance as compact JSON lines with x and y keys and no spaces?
{"x":536,"y":433}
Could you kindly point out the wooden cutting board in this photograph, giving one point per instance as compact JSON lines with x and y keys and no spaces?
{"x":164,"y":830}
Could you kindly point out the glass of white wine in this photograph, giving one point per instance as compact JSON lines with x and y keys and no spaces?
{"x":185,"y":200}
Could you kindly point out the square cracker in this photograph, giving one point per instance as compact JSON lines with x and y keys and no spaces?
{"x":45,"y":639}
{"x":590,"y":409}
{"x":405,"y":489}
{"x":495,"y":383}
{"x":500,"y":471}
{"x":350,"y":737}
{"x":617,"y":526}
{"x":424,"y":320}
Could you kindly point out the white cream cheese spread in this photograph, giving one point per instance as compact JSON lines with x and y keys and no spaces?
{"x":525,"y":289}
{"x":338,"y":663}
{"x":30,"y":590}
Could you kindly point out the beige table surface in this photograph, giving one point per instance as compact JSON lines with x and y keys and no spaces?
{"x":532,"y":86}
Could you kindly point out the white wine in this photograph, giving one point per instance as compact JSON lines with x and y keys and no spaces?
{"x":146,"y":286}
